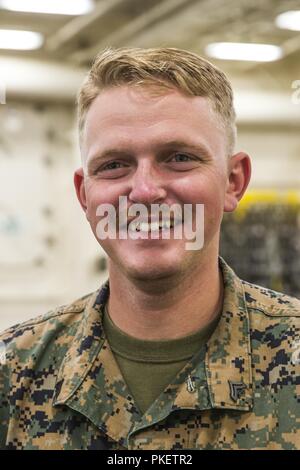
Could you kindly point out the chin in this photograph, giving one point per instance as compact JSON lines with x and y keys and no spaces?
{"x":151,"y":273}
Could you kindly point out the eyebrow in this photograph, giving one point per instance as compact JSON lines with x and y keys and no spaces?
{"x":121,"y":152}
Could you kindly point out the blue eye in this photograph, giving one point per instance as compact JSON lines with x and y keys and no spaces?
{"x":112,"y":166}
{"x":183,"y":157}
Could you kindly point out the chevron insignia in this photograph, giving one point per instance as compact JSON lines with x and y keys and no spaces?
{"x":190,"y":385}
{"x":237,"y":389}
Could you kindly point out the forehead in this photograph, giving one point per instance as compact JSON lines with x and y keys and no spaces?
{"x":134,"y":116}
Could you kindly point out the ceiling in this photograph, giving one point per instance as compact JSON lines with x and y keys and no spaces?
{"x":189,"y":24}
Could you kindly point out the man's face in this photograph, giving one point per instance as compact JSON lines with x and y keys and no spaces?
{"x":154,"y":149}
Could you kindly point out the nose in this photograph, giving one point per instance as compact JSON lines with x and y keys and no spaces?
{"x":147,"y":184}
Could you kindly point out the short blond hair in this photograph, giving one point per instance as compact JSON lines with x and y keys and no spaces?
{"x":163,"y":68}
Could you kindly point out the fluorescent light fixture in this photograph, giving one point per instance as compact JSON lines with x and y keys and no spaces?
{"x":244,"y":51}
{"x":20,"y":40}
{"x":57,"y":7}
{"x":289,"y":20}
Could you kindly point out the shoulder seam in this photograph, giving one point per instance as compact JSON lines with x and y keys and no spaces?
{"x":287,"y":306}
{"x":57,"y":314}
{"x":274,"y":315}
{"x":33,"y":322}
{"x":38,"y":322}
{"x":76,"y":307}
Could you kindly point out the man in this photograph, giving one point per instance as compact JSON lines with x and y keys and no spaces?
{"x":174,"y":351}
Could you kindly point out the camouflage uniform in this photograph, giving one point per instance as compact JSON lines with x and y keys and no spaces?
{"x":61,"y":387}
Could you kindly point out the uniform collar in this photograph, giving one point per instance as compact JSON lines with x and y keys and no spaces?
{"x":88,"y":338}
{"x":90,"y":381}
{"x":228,"y":358}
{"x":228,"y":368}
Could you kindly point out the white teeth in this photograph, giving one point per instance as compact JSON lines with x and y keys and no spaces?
{"x":146,"y":227}
{"x":165,"y":224}
{"x":133,"y":226}
{"x":155,"y":226}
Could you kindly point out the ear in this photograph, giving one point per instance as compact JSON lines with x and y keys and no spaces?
{"x":80,"y":189}
{"x":239,"y":174}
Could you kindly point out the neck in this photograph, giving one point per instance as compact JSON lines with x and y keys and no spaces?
{"x":170,"y":311}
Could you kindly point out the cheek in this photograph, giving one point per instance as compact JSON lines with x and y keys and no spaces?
{"x":96,"y":194}
{"x":205,"y":189}
{"x":93,"y":199}
{"x":99,"y":193}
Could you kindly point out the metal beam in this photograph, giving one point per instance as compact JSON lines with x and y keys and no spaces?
{"x":75,"y":27}
{"x":144,"y":21}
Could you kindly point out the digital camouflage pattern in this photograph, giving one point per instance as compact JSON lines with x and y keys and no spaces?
{"x":61,"y":388}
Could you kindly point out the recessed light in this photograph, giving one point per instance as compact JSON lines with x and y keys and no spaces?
{"x":57,"y":7}
{"x":289,"y":20}
{"x":20,"y":40}
{"x":244,"y":51}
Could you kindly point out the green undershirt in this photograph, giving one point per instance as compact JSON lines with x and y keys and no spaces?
{"x":149,"y":366}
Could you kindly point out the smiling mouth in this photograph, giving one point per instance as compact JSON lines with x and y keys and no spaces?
{"x":147,"y":227}
{"x":150,"y":227}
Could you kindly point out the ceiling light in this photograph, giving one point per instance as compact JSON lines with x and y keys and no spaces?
{"x":289,"y":20}
{"x":58,"y":7}
{"x":20,"y":40}
{"x":244,"y":51}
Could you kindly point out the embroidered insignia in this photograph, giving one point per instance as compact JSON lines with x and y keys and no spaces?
{"x":190,"y":385}
{"x":295,"y":360}
{"x":237,"y":389}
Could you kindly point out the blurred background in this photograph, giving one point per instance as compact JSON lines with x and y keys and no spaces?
{"x":48,"y":255}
